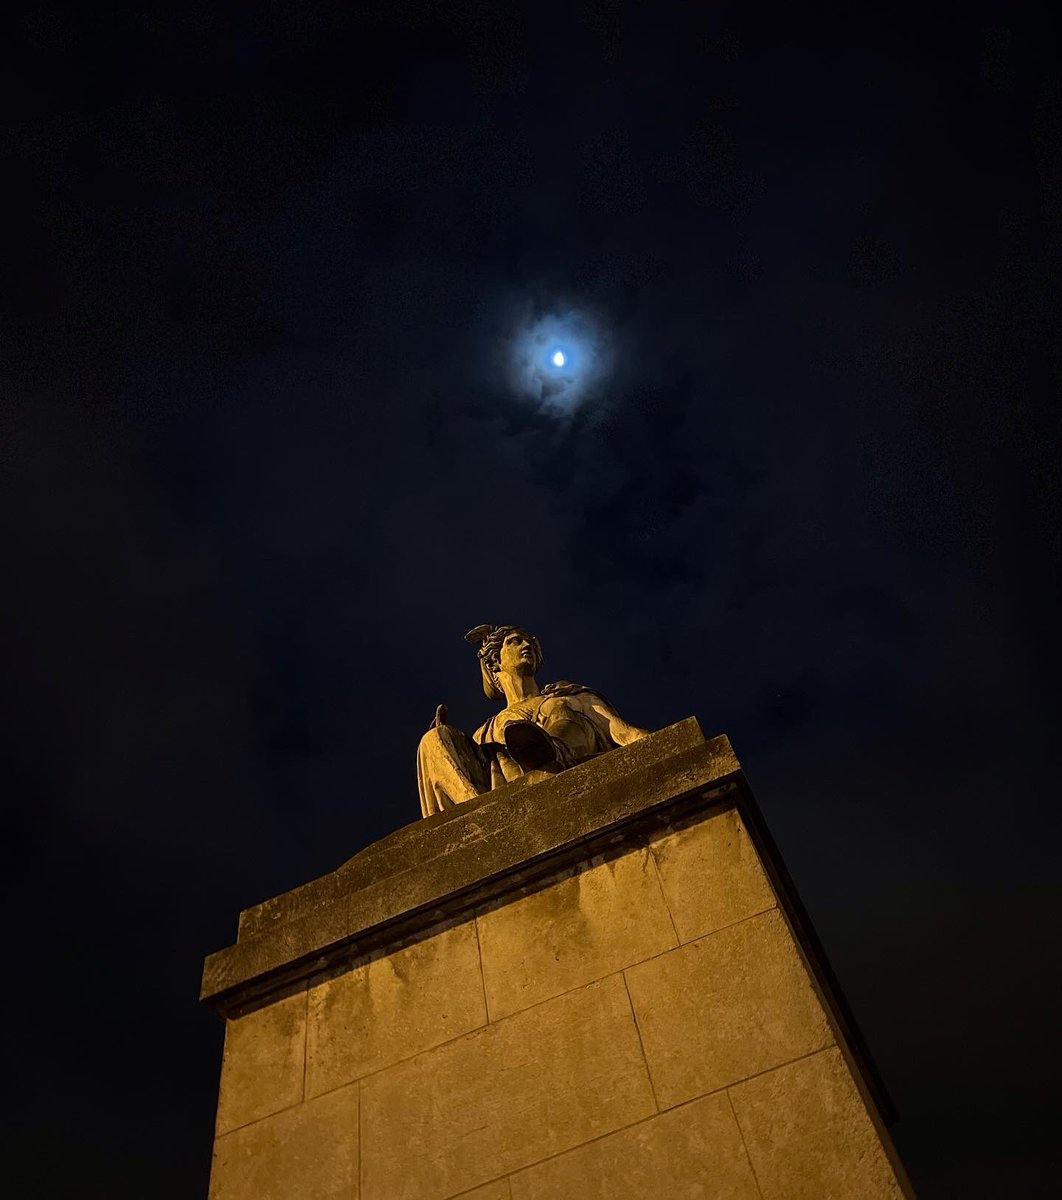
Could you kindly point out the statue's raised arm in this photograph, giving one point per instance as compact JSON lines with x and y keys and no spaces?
{"x":539,"y":729}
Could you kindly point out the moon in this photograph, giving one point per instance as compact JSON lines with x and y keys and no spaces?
{"x":557,"y":357}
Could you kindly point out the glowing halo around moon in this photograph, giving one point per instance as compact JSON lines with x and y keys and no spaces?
{"x":557,"y":359}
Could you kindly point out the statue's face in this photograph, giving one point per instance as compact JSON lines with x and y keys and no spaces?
{"x":517,"y":654}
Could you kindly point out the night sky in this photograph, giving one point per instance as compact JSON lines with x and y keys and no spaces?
{"x":265,"y":460}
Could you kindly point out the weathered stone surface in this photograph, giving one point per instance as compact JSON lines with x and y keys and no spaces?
{"x":498,"y":1190}
{"x":503,"y":1097}
{"x":309,"y":1151}
{"x":711,"y":875}
{"x":574,"y":931}
{"x":422,"y":839}
{"x":502,"y":835}
{"x":725,"y":1007}
{"x":575,"y":920}
{"x":809,"y":1136}
{"x":693,"y":1152}
{"x":393,"y":1008}
{"x":263,"y":1065}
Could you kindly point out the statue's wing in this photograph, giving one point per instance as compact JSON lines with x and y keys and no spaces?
{"x":479,"y":634}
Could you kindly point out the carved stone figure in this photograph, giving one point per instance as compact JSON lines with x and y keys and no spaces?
{"x":539,"y":729}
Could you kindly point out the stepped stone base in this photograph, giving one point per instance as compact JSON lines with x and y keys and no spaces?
{"x":601,"y":984}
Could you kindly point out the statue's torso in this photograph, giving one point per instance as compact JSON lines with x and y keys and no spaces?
{"x":558,"y":703}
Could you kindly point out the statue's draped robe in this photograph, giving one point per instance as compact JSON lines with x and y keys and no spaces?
{"x":453,"y":767}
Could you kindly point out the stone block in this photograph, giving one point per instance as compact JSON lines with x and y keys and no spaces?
{"x":809,"y":1136}
{"x":394,"y":1007}
{"x":693,"y":1152}
{"x":423,"y":840}
{"x":578,"y":929}
{"x":309,"y":1151}
{"x":498,"y":1190}
{"x":478,"y":846}
{"x":264,"y":1062}
{"x":725,"y":1007}
{"x":711,"y":875}
{"x":538,"y":1083}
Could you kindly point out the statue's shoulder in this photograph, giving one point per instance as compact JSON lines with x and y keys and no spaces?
{"x":564,"y":688}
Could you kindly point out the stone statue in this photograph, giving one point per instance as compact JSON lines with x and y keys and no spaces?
{"x":539,"y":729}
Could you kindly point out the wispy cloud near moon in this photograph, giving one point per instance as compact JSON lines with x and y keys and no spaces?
{"x":557,"y":358}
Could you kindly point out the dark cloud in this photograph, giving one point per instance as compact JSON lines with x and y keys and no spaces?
{"x":260,"y":476}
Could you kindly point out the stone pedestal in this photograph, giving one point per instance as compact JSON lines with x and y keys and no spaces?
{"x":601,"y":985}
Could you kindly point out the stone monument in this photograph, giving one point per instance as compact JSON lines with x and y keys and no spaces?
{"x":585,"y":974}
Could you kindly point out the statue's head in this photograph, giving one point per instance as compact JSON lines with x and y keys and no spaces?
{"x":504,"y":648}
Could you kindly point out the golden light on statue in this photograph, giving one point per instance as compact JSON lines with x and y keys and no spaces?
{"x":545,"y":729}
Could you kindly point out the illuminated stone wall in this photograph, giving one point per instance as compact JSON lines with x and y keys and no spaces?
{"x":641,"y":1023}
